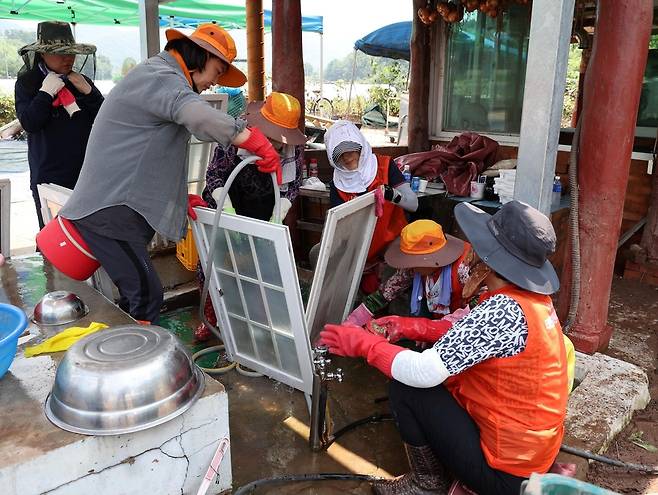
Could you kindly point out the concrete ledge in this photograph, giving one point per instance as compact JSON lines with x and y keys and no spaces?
{"x":168,"y":459}
{"x":602,"y":404}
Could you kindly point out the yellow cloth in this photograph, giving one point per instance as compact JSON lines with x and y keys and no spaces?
{"x":571,"y":361}
{"x":64,"y":339}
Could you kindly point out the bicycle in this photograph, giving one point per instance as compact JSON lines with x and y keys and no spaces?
{"x":320,"y":106}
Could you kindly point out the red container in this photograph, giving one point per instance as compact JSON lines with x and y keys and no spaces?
{"x":62,"y":245}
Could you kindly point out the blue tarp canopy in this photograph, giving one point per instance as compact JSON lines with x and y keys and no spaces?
{"x":390,"y":41}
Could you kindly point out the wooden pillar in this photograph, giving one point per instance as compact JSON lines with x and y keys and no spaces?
{"x":255,"y":50}
{"x":287,"y":57}
{"x":419,"y":83}
{"x":610,"y":104}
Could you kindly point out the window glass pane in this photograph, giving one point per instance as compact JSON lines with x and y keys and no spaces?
{"x":265,"y":346}
{"x":288,"y":353}
{"x":485,"y":72}
{"x":342,"y":260}
{"x":222,"y":258}
{"x":278,"y":311}
{"x":231,"y":294}
{"x":242,"y":252}
{"x":267,"y":262}
{"x":254,"y":301}
{"x":648,"y":113}
{"x":242,"y":338}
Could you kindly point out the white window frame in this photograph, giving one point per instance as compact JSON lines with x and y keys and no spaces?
{"x":54,"y":193}
{"x":280,"y":236}
{"x":437,"y":83}
{"x":196,"y":183}
{"x":364,"y":237}
{"x":5,"y":217}
{"x":301,"y":321}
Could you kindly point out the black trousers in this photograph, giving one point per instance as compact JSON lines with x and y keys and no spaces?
{"x":37,"y":203}
{"x":129,"y":266}
{"x":431,"y":416}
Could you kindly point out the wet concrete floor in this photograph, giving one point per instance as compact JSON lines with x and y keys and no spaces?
{"x":268,"y":421}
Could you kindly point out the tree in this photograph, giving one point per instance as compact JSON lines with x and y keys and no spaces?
{"x":309,"y":70}
{"x":341,"y":69}
{"x":128,"y":64}
{"x":103,"y":67}
{"x":11,"y":41}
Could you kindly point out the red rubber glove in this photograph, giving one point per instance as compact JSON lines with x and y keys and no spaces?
{"x":260,"y":146}
{"x":395,"y":328}
{"x":350,"y":341}
{"x":192,"y":201}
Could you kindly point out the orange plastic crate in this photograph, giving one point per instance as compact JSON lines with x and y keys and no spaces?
{"x":186,"y":251}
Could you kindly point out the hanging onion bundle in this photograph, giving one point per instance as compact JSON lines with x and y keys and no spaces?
{"x":452,"y":11}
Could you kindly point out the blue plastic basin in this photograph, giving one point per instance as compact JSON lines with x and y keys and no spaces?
{"x":12,"y":323}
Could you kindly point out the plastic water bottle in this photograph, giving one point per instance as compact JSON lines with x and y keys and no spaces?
{"x":407,"y":174}
{"x":557,"y":191}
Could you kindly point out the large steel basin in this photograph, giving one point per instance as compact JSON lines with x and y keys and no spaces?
{"x":121,"y":380}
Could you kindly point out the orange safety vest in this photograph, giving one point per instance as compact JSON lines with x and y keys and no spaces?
{"x":519,"y":402}
{"x":391,"y":223}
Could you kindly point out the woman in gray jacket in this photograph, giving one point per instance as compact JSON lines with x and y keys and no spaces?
{"x":133,"y":181}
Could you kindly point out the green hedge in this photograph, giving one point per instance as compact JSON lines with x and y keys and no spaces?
{"x":7,"y":110}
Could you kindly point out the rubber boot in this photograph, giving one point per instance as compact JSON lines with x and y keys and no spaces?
{"x":427,"y":475}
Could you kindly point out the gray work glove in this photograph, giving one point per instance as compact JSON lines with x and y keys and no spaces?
{"x":52,"y":84}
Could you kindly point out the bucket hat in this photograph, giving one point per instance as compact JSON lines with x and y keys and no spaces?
{"x":215,"y":40}
{"x":422,"y":244}
{"x":56,"y":38}
{"x":515,"y":242}
{"x":278,"y":118}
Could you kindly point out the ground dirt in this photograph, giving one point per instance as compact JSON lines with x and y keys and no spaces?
{"x":634,"y":317}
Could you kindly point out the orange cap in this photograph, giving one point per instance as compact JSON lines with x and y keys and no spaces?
{"x":215,"y":40}
{"x":422,"y":237}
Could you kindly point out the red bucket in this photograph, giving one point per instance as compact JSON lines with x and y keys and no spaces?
{"x":61,"y":243}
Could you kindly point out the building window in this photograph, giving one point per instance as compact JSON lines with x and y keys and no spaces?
{"x":485,"y":72}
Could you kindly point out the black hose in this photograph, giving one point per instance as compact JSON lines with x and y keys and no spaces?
{"x":375,"y":418}
{"x":607,"y":460}
{"x":301,"y":478}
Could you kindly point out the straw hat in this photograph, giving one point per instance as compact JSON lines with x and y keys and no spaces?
{"x":278,"y":118}
{"x":515,"y":242}
{"x":422,"y":244}
{"x":215,"y":40}
{"x":56,"y":38}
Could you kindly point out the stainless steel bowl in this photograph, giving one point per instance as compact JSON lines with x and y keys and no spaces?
{"x":121,"y":380}
{"x":59,"y":307}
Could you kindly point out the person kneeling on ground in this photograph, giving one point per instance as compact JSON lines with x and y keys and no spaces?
{"x":434,"y":265}
{"x":486,"y":404}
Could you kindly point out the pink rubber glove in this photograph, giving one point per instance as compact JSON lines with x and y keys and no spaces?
{"x":395,"y":328}
{"x":192,"y":201}
{"x":346,"y":340}
{"x":379,"y":202}
{"x":359,"y":317}
{"x":457,"y":315}
{"x":260,"y":146}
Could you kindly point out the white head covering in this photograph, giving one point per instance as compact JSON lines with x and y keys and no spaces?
{"x":350,"y":181}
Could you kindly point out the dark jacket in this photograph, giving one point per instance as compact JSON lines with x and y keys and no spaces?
{"x":56,"y":142}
